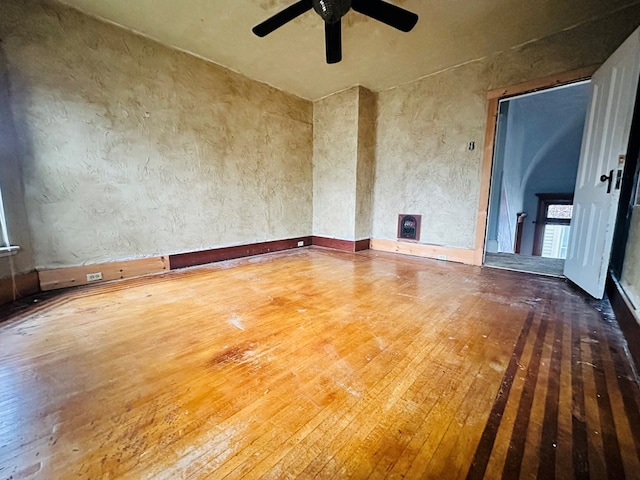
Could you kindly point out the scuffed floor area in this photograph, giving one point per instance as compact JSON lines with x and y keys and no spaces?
{"x":318,"y":364}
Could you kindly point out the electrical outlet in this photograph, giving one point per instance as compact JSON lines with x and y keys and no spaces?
{"x":92,"y":277}
{"x":442,"y":257}
{"x":301,"y":243}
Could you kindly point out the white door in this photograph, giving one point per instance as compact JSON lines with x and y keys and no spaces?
{"x":605,"y":141}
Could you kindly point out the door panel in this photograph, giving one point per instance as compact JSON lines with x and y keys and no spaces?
{"x":604,"y":144}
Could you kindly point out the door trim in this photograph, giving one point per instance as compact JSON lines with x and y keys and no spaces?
{"x":493,"y":100}
{"x":628,"y":195}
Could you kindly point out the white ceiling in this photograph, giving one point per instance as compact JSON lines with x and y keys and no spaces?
{"x":448,"y":33}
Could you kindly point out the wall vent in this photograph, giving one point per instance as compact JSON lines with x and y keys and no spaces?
{"x":409,"y":227}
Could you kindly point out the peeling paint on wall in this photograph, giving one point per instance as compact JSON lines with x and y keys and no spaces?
{"x":130,"y":149}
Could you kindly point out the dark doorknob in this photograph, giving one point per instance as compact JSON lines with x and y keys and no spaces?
{"x":605,"y":178}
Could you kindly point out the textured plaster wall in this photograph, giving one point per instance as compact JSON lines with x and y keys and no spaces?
{"x":422,"y":162}
{"x":11,"y":185}
{"x":130,"y":149}
{"x":343,"y":164}
{"x":335,"y":163}
{"x":366,"y":163}
{"x":423,"y":165}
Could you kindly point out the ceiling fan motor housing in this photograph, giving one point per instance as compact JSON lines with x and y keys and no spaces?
{"x":331,"y":11}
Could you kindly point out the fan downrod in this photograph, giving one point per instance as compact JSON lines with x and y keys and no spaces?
{"x":331,"y":11}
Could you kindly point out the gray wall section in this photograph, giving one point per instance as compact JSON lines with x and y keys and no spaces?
{"x":130,"y":149}
{"x":422,"y":163}
{"x":517,"y":153}
{"x":496,"y":194}
{"x":11,"y":186}
{"x":555,"y":172}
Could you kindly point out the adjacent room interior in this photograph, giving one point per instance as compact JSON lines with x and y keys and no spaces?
{"x":539,"y":136}
{"x":225,"y":255}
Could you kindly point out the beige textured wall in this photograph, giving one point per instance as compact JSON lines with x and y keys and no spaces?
{"x":422,"y":162}
{"x":130,"y":149}
{"x":335,"y":149}
{"x":343,"y":164}
{"x":11,"y":185}
{"x":366,"y":163}
{"x":631,"y":270}
{"x":422,"y":165}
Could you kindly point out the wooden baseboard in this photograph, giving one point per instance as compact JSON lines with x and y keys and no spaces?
{"x":191,"y":259}
{"x":363,"y":244}
{"x":74,"y":276}
{"x":12,"y":289}
{"x":460,"y":255}
{"x":338,"y":244}
{"x":626,"y":317}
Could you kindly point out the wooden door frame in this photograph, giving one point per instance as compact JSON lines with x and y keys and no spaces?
{"x":628,"y":195}
{"x":493,"y":102}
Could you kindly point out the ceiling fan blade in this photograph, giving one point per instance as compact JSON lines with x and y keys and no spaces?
{"x":333,"y":41}
{"x":280,"y":18}
{"x":385,"y":12}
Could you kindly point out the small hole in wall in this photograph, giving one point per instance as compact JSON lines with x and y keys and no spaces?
{"x":409,"y":227}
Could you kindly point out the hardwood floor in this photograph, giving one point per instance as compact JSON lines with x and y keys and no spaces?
{"x":318,"y":364}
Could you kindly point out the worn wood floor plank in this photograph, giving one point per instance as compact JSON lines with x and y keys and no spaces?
{"x":318,"y":364}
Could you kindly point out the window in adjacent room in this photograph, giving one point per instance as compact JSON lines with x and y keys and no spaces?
{"x":553,"y":225}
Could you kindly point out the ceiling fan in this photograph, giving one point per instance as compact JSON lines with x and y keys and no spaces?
{"x":332,"y":12}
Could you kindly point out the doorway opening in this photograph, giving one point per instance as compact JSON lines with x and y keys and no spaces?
{"x":535,"y":163}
